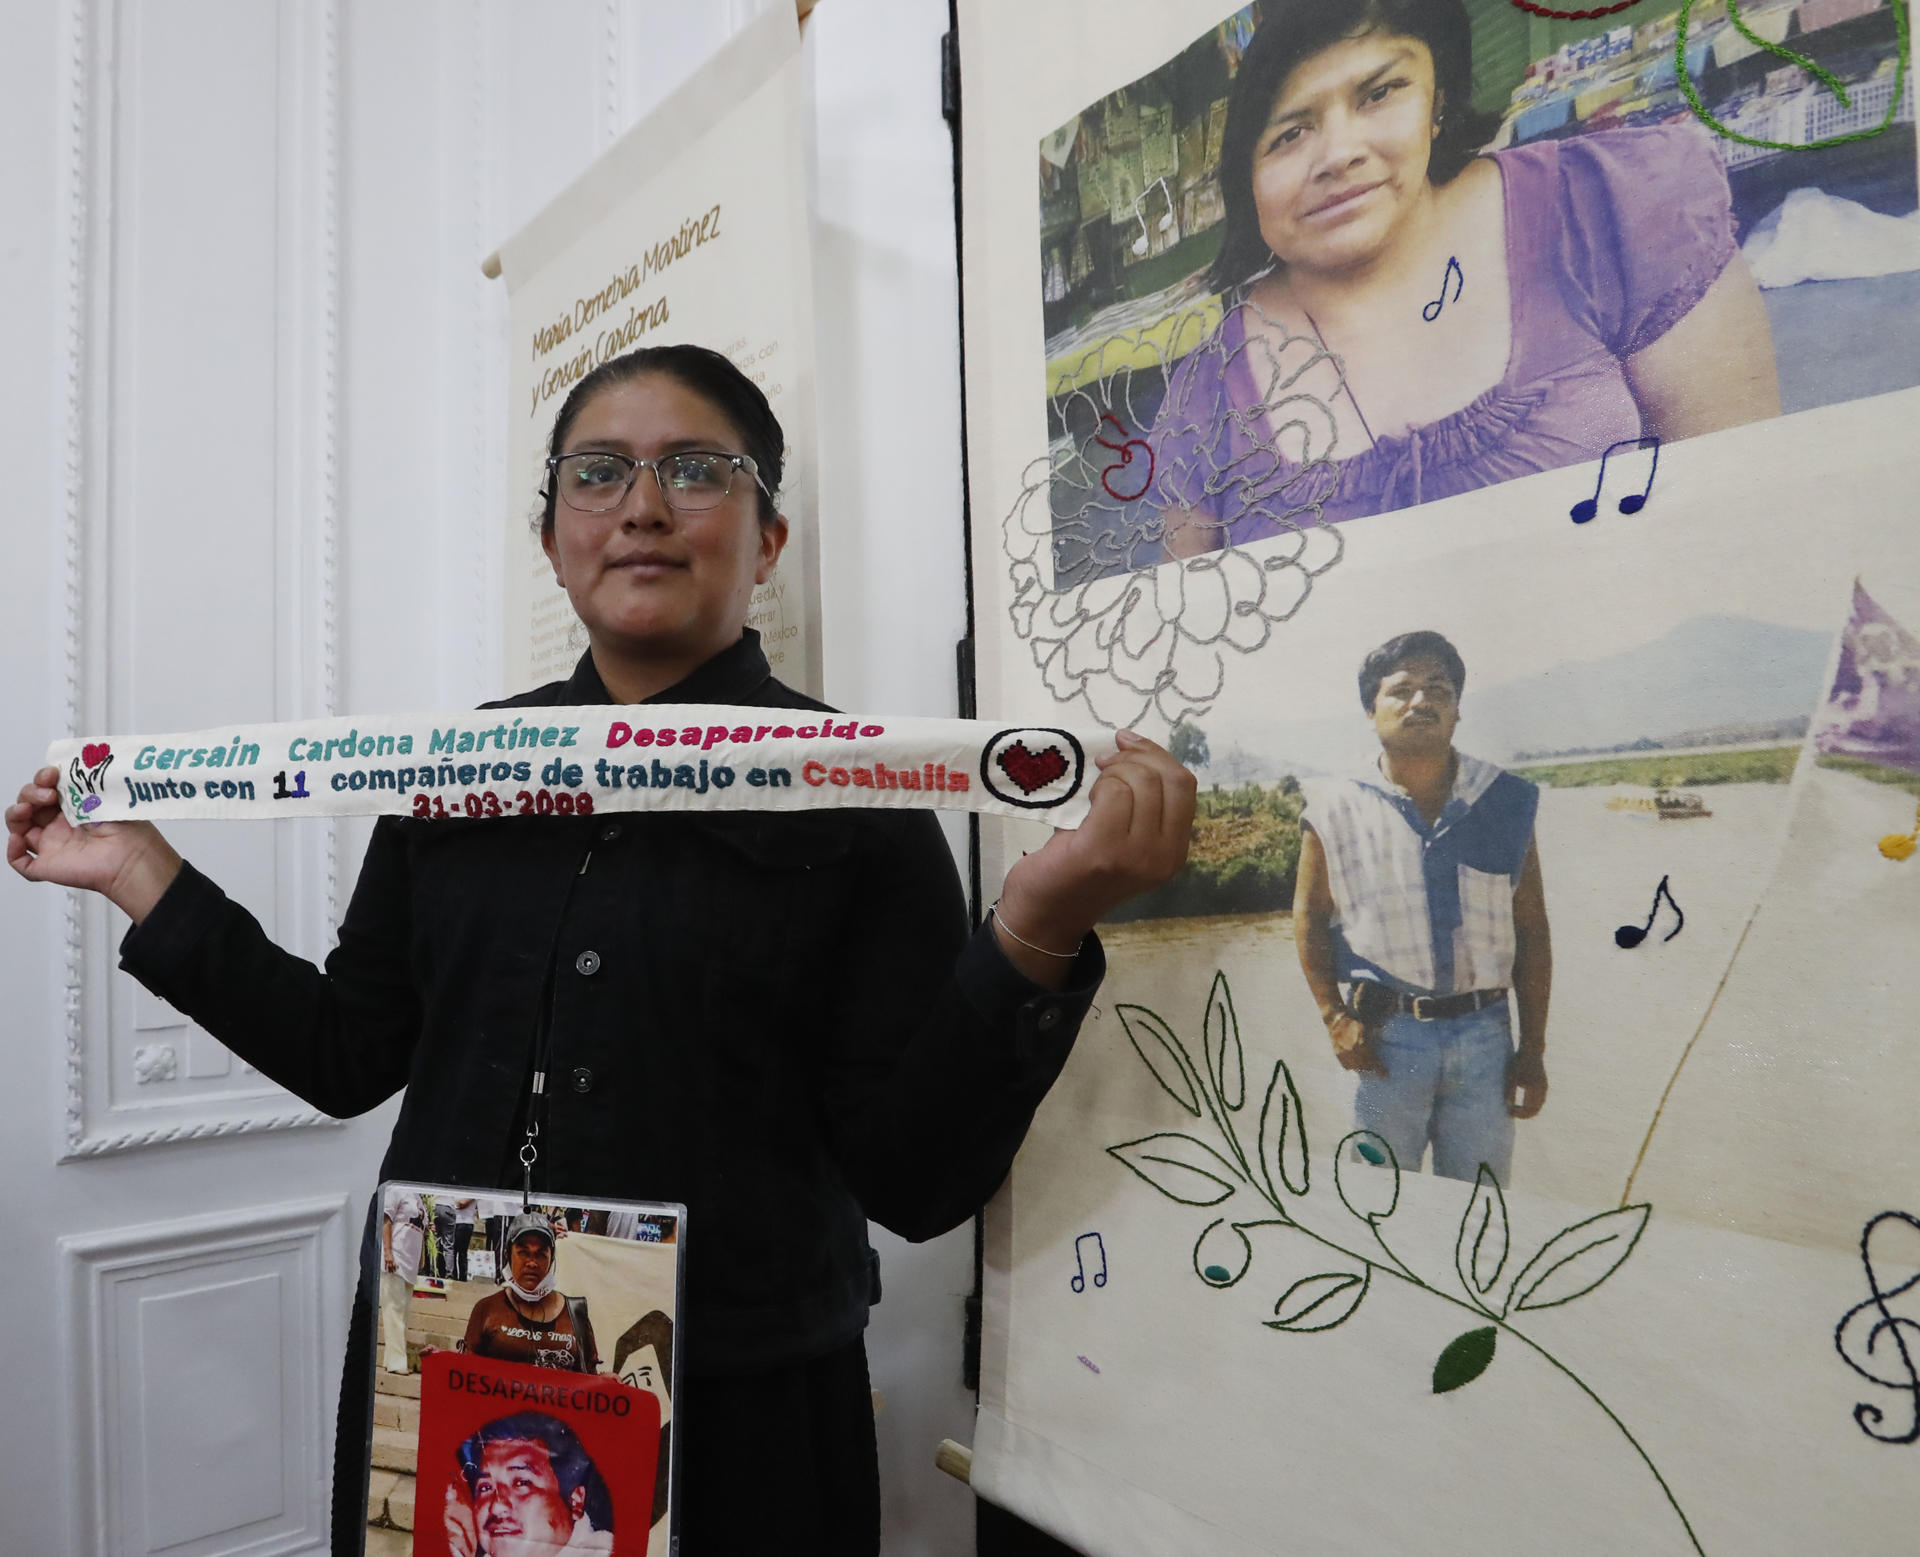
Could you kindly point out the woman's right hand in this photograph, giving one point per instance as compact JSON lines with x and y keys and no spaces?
{"x":127,"y":862}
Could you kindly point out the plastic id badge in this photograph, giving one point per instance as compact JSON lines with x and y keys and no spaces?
{"x":523,"y":1373}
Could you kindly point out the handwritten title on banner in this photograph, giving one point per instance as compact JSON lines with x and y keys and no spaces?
{"x":580,"y":761}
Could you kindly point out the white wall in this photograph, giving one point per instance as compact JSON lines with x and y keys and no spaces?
{"x":886,"y":329}
{"x":251,"y":430}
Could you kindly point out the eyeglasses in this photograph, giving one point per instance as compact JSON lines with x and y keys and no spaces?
{"x":691,"y":481}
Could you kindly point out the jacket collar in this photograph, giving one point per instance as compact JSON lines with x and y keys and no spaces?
{"x":731,"y":676}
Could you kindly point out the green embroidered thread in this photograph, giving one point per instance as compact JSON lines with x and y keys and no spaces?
{"x":1825,"y":76}
{"x":1466,"y":1357}
{"x":1367,"y":1182}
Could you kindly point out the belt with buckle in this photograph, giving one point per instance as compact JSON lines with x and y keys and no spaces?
{"x":1422,"y":1008}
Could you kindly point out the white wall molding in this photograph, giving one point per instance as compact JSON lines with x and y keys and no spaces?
{"x":307,"y":584}
{"x":80,"y":135}
{"x":197,"y":1354}
{"x":101,"y":144}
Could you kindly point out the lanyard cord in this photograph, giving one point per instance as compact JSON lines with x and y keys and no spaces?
{"x":543,"y":1043}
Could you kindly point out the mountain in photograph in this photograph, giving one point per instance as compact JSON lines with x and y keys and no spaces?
{"x":1768,"y":732}
{"x":1711,"y":680}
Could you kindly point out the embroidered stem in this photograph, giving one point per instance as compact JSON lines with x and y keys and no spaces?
{"x":1203,"y":1083}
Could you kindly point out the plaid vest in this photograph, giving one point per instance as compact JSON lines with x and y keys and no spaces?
{"x":1425,"y":909}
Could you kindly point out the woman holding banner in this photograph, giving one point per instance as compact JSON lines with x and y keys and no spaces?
{"x":778,"y":1019}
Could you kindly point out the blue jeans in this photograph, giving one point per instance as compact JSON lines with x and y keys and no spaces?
{"x":1446,"y":1082}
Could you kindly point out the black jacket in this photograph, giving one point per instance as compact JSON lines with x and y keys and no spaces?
{"x":778,"y":1019}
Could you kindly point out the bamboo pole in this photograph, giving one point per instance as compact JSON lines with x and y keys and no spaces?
{"x":956,"y":1459}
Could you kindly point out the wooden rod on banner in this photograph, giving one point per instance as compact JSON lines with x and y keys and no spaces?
{"x":956,"y":1459}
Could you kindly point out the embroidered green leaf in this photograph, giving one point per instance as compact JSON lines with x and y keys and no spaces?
{"x":1576,"y":1261}
{"x":1162,"y":1054}
{"x":1465,"y":1358}
{"x":1320,"y":1302}
{"x":1226,"y":1060}
{"x":1480,"y":1252}
{"x":1283,"y":1133}
{"x":1180,"y":1167}
{"x":1369,"y":1184}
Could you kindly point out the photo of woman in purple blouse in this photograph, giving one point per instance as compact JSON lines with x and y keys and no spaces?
{"x":1337,"y":258}
{"x":1495,"y":315}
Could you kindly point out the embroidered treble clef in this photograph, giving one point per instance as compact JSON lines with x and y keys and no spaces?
{"x":1883,"y":1347}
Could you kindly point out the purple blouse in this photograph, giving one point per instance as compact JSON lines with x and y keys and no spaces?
{"x":1612,"y":238}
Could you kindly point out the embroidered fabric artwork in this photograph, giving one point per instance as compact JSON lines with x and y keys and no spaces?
{"x":663,"y":239}
{"x":575,"y":761}
{"x":1870,"y":109}
{"x":1110,"y":621}
{"x":1272,"y":1165}
{"x":1878,"y":1342}
{"x":1860,"y":780}
{"x":1482,"y":1129}
{"x":1847,"y":116}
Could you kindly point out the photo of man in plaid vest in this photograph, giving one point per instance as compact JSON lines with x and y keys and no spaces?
{"x":1419,"y":889}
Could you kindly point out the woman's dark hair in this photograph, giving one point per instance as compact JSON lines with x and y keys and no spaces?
{"x":1397,"y":653}
{"x":1292,"y":31}
{"x":707,"y":374}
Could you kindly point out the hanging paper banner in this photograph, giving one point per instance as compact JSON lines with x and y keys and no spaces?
{"x":577,"y":761}
{"x":667,"y":238}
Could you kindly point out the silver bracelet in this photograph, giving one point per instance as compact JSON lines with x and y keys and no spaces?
{"x":993,"y":913}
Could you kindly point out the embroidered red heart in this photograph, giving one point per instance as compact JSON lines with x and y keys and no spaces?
{"x":1031,"y":770}
{"x":92,"y":756}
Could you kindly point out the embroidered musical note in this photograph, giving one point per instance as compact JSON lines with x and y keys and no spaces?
{"x":1900,"y":846}
{"x":1860,"y":1345}
{"x":1078,"y":1280}
{"x":1454,"y":273}
{"x":1633,"y":502}
{"x":1125,"y":451}
{"x":1631,"y":935}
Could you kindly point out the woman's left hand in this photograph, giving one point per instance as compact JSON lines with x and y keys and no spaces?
{"x":1139,"y":824}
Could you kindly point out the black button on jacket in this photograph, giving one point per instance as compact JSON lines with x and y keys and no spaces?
{"x":778,"y":1019}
